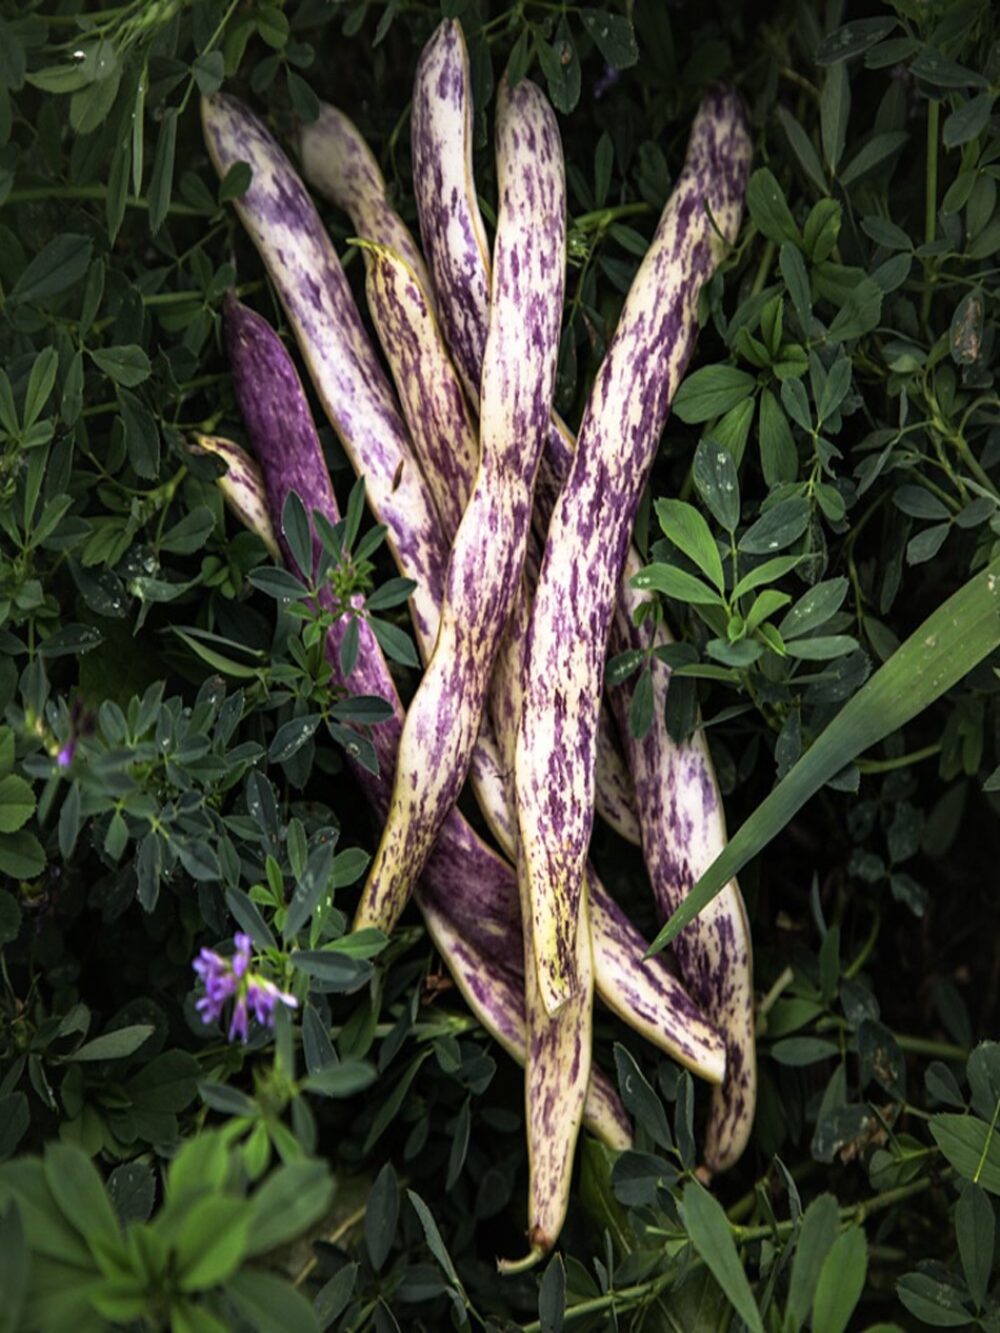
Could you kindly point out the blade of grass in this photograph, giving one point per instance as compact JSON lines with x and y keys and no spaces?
{"x":949,"y":643}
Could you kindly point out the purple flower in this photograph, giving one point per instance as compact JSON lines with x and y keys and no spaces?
{"x":227,"y":979}
{"x":263,"y":995}
{"x":81,"y":723}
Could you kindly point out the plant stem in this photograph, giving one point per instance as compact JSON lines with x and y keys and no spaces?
{"x":903,"y":761}
{"x":760,"y":277}
{"x":603,"y":217}
{"x":97,"y":193}
{"x":946,"y":1050}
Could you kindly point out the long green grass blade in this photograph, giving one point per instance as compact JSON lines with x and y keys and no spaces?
{"x":949,"y":643}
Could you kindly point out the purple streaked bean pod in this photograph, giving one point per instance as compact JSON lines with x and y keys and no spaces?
{"x":451,"y":227}
{"x":241,"y":487}
{"x":337,"y":162}
{"x":683,"y":830}
{"x":429,"y":390}
{"x":592,"y":522}
{"x":484,"y":571}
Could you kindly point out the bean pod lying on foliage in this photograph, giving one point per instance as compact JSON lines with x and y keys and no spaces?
{"x":683,"y":830}
{"x":592,"y":523}
{"x":417,"y":356}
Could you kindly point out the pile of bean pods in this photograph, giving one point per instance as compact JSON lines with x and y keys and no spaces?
{"x":517,"y":539}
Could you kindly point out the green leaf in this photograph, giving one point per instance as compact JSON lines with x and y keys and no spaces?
{"x":689,"y":532}
{"x":712,"y":1237}
{"x":270,"y":1304}
{"x":209,"y":70}
{"x":834,"y":109}
{"x":212,"y":1241}
{"x":613,"y":36}
{"x":640,"y":1099}
{"x":852,"y":38}
{"x":711,"y":391}
{"x":967,"y":121}
{"x":278,"y":583}
{"x":128,"y":365}
{"x":718,"y":483}
{"x":933,"y":1302}
{"x":381,"y":1216}
{"x":677,"y":583}
{"x":56,"y":268}
{"x":975,"y":1231}
{"x":935,"y":67}
{"x":162,"y":180}
{"x":13,"y":1265}
{"x":90,"y":106}
{"x":803,"y":149}
{"x":798,"y":1052}
{"x":732,"y":429}
{"x":78,"y":1189}
{"x":248,"y":918}
{"x":394,"y":592}
{"x":814,"y":608}
{"x":971,"y":1147}
{"x":552,"y":1296}
{"x":817,"y":1234}
{"x":433,"y":1237}
{"x":341,"y":1080}
{"x":41,"y":382}
{"x":779,"y":457}
{"x":13,"y":58}
{"x":21,"y":855}
{"x":311,"y":888}
{"x":291,"y":736}
{"x":841,"y":1282}
{"x":202,"y":1163}
{"x":949,"y":643}
{"x":561,"y":67}
{"x":777,"y":527}
{"x":769,"y":208}
{"x":17,"y":803}
{"x":877,"y":150}
{"x":289,"y":1202}
{"x":14,"y":1120}
{"x":394,"y":642}
{"x":859,"y":314}
{"x":114,"y":1045}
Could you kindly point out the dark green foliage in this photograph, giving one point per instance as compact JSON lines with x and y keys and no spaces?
{"x":171,"y":751}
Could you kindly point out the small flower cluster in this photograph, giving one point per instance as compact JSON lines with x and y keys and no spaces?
{"x":227,"y":979}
